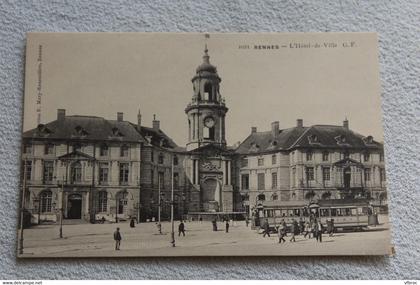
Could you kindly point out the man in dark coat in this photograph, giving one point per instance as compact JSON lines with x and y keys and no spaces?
{"x":227,"y":226}
{"x":266,"y":228}
{"x":293,"y":229}
{"x":132,"y":224}
{"x":318,"y":230}
{"x":214,"y":223}
{"x":117,"y":238}
{"x":181,"y":229}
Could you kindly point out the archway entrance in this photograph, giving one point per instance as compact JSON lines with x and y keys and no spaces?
{"x":74,"y":206}
{"x":210,"y":195}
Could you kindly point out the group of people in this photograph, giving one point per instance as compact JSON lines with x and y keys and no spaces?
{"x":312,"y":228}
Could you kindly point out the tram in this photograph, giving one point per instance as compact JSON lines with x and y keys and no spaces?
{"x":347,"y":214}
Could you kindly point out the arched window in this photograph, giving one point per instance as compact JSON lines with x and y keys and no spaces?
{"x":124,"y":151}
{"x":103,"y":150}
{"x":326,"y":196}
{"x":261,"y":197}
{"x":49,"y":149}
{"x":76,"y":172}
{"x":102,"y":201}
{"x":45,"y":201}
{"x":274,"y":197}
{"x":208,"y":133}
{"x":309,"y":156}
{"x":175,"y":160}
{"x":208,"y":96}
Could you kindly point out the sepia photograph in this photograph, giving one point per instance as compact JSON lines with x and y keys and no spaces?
{"x":196,"y":144}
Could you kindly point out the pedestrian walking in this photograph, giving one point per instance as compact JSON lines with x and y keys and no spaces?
{"x":214,"y":223}
{"x":266,"y":228}
{"x":293,"y":229}
{"x":247,"y":221}
{"x":281,"y":233}
{"x":181,"y":229}
{"x":201,"y":219}
{"x":117,"y":238}
{"x":159,"y":227}
{"x":132,"y":224}
{"x":227,"y":226}
{"x":308,"y":230}
{"x":318,"y":230}
{"x":301,"y":226}
{"x":331,"y":228}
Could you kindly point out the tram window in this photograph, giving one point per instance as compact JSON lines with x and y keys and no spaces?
{"x":324,"y":212}
{"x":278,"y":213}
{"x":297,"y":212}
{"x":339,"y":212}
{"x":290,"y":213}
{"x":354,"y":212}
{"x":284,"y":214}
{"x":305,"y":212}
{"x":348,"y":212}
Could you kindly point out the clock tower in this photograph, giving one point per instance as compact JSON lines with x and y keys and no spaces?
{"x":206,"y":112}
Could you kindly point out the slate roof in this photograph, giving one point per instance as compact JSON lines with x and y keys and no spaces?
{"x":317,"y":136}
{"x":92,"y":128}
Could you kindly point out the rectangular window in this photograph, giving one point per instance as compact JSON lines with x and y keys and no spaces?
{"x":49,"y":149}
{"x":103,"y":173}
{"x":274,"y":180}
{"x":261,"y":181}
{"x":152,"y":177}
{"x":273,"y":159}
{"x":28,"y":170}
{"x":326,"y":174}
{"x":309,"y":173}
{"x":367,"y":174}
{"x":325,"y":156}
{"x":245,"y":182}
{"x":309,"y":156}
{"x":260,"y":161}
{"x":152,"y":156}
{"x":161,"y":178}
{"x":293,"y":177}
{"x":27,"y":148}
{"x":124,"y":151}
{"x":366,"y":157}
{"x":383,"y":175}
{"x":381,"y":157}
{"x":48,"y":171}
{"x":176,"y":180}
{"x":244,"y":162}
{"x":124,"y":171}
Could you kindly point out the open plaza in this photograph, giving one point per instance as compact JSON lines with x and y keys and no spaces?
{"x":96,"y":240}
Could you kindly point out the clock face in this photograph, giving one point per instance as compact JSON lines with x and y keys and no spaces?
{"x":209,"y":122}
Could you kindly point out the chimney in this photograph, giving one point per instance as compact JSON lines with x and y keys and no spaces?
{"x":139,"y":119}
{"x":120,"y":116}
{"x":275,"y":128}
{"x":346,"y":124}
{"x":156,"y":123}
{"x":61,"y":114}
{"x":299,"y":123}
{"x":253,"y":130}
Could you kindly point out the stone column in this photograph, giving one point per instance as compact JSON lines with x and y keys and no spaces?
{"x":228,"y":172}
{"x":224,"y":171}
{"x":197,"y":180}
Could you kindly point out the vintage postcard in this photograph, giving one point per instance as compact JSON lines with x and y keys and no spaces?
{"x":173,"y":144}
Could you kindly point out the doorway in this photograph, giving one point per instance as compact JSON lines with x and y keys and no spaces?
{"x":74,"y":206}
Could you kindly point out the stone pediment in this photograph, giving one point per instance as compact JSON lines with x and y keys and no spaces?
{"x":76,"y":155}
{"x":210,"y":151}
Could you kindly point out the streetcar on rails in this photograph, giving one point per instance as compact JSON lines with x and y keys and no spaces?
{"x":347,"y":214}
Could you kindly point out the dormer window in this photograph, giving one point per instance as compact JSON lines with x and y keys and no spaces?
{"x":124,"y":151}
{"x":43,"y":130}
{"x":313,"y":139}
{"x":346,"y":155}
{"x":368,"y":140}
{"x":116,"y":132}
{"x":80,"y":132}
{"x":77,"y":147}
{"x":27,"y":148}
{"x":175,"y":160}
{"x":309,"y":156}
{"x":325,"y":156}
{"x":341,"y":139}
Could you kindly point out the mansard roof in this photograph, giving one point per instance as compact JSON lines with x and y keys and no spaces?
{"x":87,"y":128}
{"x":157,"y":138}
{"x":316,"y":136}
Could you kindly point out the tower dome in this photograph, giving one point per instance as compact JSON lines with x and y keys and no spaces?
{"x":206,"y":66}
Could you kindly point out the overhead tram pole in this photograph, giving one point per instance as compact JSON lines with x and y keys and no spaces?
{"x":159,"y":205}
{"x":172,"y":202}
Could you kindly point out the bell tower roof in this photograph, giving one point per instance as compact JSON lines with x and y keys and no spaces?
{"x":206,"y":66}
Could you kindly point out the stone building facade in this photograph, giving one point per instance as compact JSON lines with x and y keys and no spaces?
{"x":88,"y":168}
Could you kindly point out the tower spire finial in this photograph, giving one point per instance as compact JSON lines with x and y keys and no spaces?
{"x":206,"y":57}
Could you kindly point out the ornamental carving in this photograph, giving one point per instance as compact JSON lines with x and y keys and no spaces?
{"x":208,"y":166}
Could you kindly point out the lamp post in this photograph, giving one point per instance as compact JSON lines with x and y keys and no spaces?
{"x":172,"y":203}
{"x":61,"y":209}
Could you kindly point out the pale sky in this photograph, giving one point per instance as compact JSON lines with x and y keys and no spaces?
{"x":105,"y":73}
